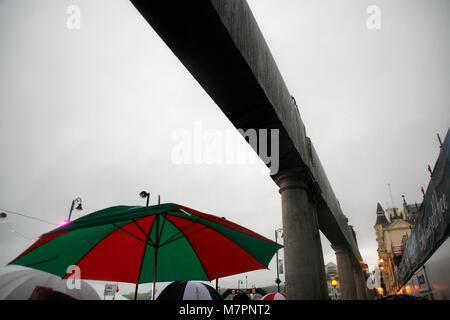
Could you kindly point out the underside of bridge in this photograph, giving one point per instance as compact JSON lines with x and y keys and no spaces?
{"x":221,"y":45}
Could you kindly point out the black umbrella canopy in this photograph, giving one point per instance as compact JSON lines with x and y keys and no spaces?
{"x":187,"y":290}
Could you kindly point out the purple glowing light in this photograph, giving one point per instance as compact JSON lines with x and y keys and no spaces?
{"x":63,"y":223}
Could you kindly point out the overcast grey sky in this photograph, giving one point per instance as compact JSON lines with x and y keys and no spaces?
{"x":90,"y":112}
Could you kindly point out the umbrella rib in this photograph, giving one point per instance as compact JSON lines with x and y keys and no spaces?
{"x":92,"y":248}
{"x":193,"y":249}
{"x":43,"y":261}
{"x":176,"y":235}
{"x":179,"y":236}
{"x":145,"y":234}
{"x":133,"y":235}
{"x":144,"y":251}
{"x":162,"y":228}
{"x":140,"y":228}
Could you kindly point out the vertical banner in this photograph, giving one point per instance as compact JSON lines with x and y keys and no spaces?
{"x":280,"y":266}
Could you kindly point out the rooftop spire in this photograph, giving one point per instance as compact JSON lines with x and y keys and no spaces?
{"x":381,"y":218}
{"x":379,"y":208}
{"x":405,"y":206}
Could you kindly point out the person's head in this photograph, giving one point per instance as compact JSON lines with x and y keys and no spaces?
{"x":241,"y":297}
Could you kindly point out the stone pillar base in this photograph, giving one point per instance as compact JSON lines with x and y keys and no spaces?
{"x":345,"y":273}
{"x":304,"y":266}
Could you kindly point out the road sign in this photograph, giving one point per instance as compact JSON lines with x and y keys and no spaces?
{"x":110,"y":290}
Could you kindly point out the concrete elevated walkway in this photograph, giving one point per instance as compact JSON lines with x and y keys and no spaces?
{"x":221,"y":45}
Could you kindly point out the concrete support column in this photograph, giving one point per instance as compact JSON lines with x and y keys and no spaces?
{"x":359,"y":284}
{"x":304,"y":266}
{"x":345,"y":272}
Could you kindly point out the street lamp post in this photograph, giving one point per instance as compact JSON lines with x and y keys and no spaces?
{"x":278,"y":281}
{"x":77,"y":202}
{"x":145,"y":194}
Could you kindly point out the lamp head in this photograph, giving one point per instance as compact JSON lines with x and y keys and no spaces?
{"x":77,"y":201}
{"x":144,"y":194}
{"x":280,"y":230}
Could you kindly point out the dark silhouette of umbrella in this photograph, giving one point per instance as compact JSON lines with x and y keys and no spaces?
{"x":187,"y":290}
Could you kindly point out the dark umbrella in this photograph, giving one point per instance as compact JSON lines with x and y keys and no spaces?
{"x":166,"y":242}
{"x":187,"y":290}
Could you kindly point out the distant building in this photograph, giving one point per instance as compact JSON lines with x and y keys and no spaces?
{"x":392,"y":236}
{"x":332,"y":274}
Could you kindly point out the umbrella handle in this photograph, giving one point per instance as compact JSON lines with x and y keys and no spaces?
{"x":136,"y":291}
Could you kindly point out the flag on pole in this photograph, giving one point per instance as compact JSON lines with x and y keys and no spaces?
{"x":280,"y":266}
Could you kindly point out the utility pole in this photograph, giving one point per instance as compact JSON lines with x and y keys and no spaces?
{"x":277,"y":280}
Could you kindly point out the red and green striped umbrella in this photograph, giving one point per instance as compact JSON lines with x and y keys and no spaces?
{"x":166,"y":242}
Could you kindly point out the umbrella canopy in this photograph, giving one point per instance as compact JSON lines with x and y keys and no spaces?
{"x":166,"y":242}
{"x":187,"y":290}
{"x":274,"y":296}
{"x":20,"y":285}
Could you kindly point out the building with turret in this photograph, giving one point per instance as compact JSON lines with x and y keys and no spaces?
{"x":392,"y":235}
